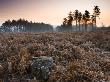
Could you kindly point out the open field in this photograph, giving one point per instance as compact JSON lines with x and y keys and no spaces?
{"x":78,"y":56}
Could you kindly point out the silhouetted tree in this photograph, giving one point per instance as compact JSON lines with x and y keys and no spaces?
{"x":92,"y":20}
{"x":6,"y":26}
{"x":65,"y":22}
{"x":69,"y":21}
{"x":86,"y":18}
{"x":79,"y":19}
{"x":76,"y":16}
{"x":96,"y":13}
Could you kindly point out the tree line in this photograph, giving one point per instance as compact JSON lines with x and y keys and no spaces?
{"x":81,"y":19}
{"x":22,"y":25}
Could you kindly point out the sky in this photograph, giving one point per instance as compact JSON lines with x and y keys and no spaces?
{"x":51,"y":11}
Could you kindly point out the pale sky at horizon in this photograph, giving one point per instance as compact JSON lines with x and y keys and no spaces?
{"x":51,"y":11}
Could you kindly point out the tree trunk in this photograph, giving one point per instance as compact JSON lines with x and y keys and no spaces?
{"x":85,"y":26}
{"x":76,"y":25}
{"x":79,"y":25}
{"x":92,"y":25}
{"x":95,"y":23}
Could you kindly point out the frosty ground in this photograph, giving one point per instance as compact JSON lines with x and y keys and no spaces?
{"x":77,"y":56}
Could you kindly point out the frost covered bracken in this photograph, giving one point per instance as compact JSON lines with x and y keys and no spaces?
{"x":77,"y":56}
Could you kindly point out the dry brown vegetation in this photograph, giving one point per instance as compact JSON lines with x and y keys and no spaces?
{"x":78,"y":57}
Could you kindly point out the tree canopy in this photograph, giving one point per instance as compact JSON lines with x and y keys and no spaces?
{"x":22,"y":25}
{"x":82,"y":20}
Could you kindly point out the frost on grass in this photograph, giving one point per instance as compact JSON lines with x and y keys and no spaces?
{"x":77,"y":57}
